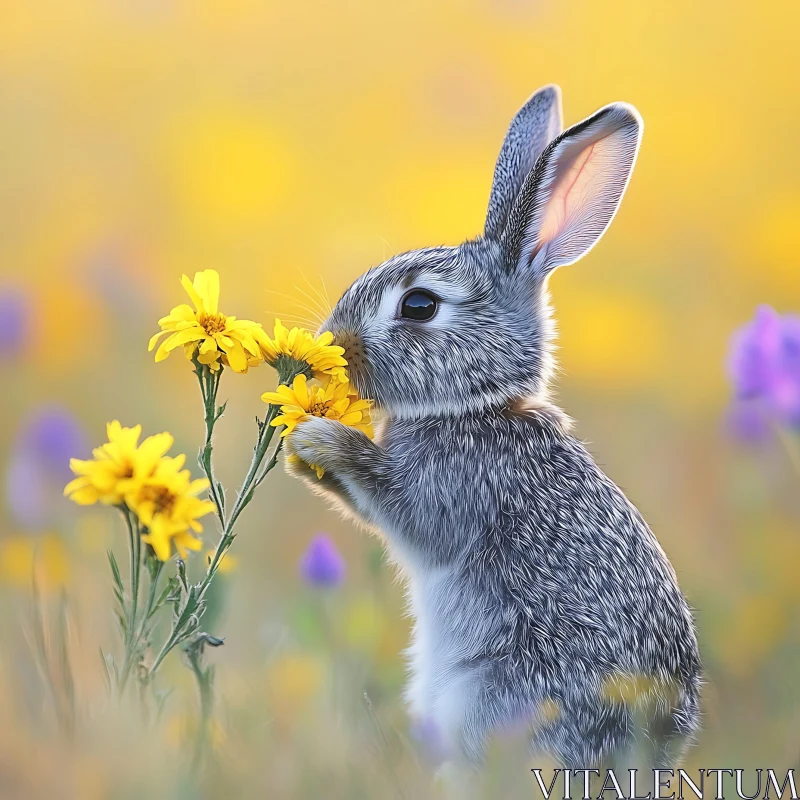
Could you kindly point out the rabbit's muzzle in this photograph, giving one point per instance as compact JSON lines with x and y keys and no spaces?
{"x":354,"y":353}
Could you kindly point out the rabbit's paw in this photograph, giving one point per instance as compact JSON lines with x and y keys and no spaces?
{"x":320,"y":445}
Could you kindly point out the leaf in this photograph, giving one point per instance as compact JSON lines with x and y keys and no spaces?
{"x":109,"y":669}
{"x":204,"y":458}
{"x":221,"y":410}
{"x":180,"y":566}
{"x":248,"y":497}
{"x":115,"y":571}
{"x":166,"y":595}
{"x":188,"y":610}
{"x":123,"y":623}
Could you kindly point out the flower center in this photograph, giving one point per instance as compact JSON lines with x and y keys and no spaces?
{"x":212,"y":323}
{"x":161,"y":497}
{"x":319,"y":409}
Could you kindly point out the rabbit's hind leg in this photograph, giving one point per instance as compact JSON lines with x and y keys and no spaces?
{"x":587,"y":736}
{"x":666,"y":726}
{"x":667,"y":739}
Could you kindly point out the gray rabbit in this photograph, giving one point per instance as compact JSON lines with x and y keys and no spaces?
{"x":540,"y":596}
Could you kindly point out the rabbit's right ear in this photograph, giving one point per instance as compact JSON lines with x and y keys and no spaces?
{"x":573,"y":192}
{"x":535,"y":125}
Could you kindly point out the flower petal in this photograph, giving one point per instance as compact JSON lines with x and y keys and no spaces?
{"x":351,"y":418}
{"x":300,"y":388}
{"x":177,"y":339}
{"x":210,"y":291}
{"x":193,"y":295}
{"x":160,"y":545}
{"x":153,"y":339}
{"x":237,"y":357}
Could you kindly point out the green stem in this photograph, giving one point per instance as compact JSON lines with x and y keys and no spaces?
{"x":151,"y":598}
{"x":131,"y":637}
{"x":271,"y":463}
{"x":137,"y":567}
{"x":204,"y":679}
{"x":252,"y":480}
{"x":209,"y":386}
{"x":154,"y":587}
{"x":131,"y":559}
{"x":164,"y":652}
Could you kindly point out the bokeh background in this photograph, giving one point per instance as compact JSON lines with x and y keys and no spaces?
{"x":290,"y":146}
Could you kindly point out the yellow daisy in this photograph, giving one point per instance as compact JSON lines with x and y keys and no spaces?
{"x":206,"y":332}
{"x":322,"y":357}
{"x":334,"y":401}
{"x":118,"y":467}
{"x":167,"y":505}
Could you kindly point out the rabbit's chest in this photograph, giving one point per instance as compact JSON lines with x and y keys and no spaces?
{"x":446,"y":630}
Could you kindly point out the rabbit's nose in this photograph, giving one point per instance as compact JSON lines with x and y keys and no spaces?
{"x":352,"y":344}
{"x":354,"y":350}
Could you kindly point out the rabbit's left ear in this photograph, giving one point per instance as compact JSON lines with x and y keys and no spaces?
{"x":534,"y":126}
{"x":570,"y":197}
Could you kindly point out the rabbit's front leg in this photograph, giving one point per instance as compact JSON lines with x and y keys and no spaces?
{"x":353,"y":465}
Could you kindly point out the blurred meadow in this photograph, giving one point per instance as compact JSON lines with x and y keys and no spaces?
{"x":290,"y":146}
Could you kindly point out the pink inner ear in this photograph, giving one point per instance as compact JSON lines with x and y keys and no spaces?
{"x":590,"y":176}
{"x":566,"y":193}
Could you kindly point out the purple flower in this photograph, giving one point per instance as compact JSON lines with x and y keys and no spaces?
{"x":14,"y":322}
{"x":764,"y":364}
{"x":322,"y":564}
{"x":748,"y":420}
{"x":39,"y":464}
{"x":26,"y":492}
{"x":52,"y":436}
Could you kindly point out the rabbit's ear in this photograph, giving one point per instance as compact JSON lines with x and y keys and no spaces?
{"x":573,"y":192}
{"x":536,"y":124}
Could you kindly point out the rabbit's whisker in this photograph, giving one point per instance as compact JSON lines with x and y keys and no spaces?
{"x":296,"y":321}
{"x":314,"y":314}
{"x":311,"y":305}
{"x":327,"y":296}
{"x":324,"y":304}
{"x":386,"y":246}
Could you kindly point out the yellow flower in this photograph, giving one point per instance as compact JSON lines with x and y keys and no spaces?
{"x":205,"y":331}
{"x":118,"y":466}
{"x":320,"y":354}
{"x":23,"y":558}
{"x":167,"y":505}
{"x":334,"y":401}
{"x":154,"y":486}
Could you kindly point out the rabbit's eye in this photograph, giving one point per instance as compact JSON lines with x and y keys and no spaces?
{"x":418,"y":305}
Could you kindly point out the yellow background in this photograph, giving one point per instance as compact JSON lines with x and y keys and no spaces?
{"x":292,"y":145}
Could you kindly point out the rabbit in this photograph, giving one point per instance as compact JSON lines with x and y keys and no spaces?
{"x":539,"y":595}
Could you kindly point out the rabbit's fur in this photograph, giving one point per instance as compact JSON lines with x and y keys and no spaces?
{"x":540,"y":596}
